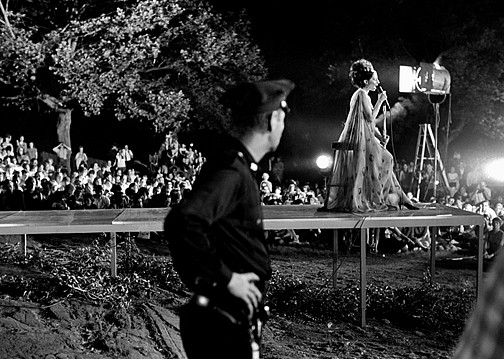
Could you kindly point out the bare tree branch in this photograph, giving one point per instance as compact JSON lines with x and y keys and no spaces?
{"x":6,"y":20}
{"x":52,"y":102}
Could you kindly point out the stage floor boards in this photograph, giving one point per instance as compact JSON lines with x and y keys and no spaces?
{"x":275,"y":217}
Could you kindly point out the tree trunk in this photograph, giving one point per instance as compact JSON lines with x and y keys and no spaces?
{"x":64,"y":121}
{"x":63,"y":126}
{"x":63,"y":130}
{"x":64,"y":118}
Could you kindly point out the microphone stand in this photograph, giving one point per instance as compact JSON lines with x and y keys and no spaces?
{"x":384,"y":121}
{"x":385,"y":106}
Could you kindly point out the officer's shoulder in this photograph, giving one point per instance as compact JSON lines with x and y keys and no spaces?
{"x":230,"y":159}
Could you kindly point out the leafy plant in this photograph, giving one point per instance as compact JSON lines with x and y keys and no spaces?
{"x":422,"y":306}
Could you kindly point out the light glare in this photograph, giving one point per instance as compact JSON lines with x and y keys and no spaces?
{"x":323,"y":162}
{"x":495,"y":170}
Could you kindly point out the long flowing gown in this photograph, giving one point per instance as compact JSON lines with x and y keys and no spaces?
{"x":362,"y":178}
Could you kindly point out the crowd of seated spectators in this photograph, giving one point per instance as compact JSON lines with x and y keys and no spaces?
{"x":26,"y":184}
{"x":468,"y":190}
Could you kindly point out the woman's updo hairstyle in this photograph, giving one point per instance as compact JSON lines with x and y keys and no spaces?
{"x":360,"y":71}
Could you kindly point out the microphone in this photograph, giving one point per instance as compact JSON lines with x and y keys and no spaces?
{"x":380,"y":90}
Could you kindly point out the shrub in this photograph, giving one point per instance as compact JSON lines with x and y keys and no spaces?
{"x":422,"y":306}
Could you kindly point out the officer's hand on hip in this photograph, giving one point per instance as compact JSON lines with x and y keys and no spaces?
{"x":242,"y":286}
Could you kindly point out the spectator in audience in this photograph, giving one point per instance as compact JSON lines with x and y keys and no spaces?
{"x":7,"y":145}
{"x":32,"y":196}
{"x":88,"y":201}
{"x":46,"y":191}
{"x":494,"y":239}
{"x":486,"y":211}
{"x":462,"y":172}
{"x":58,"y":201}
{"x":481,"y":193}
{"x":21,"y":156}
{"x":290,"y":193}
{"x":48,"y":165}
{"x":32,"y":151}
{"x":63,"y":152}
{"x":463,"y":194}
{"x":265,"y":192}
{"x":112,"y":153}
{"x":131,"y":190}
{"x":175,"y":197}
{"x":420,"y":236}
{"x":265,"y":180}
{"x":141,"y":199}
{"x":275,"y":198}
{"x":100,"y":200}
{"x":453,"y":181}
{"x":72,"y":196}
{"x":499,"y":209}
{"x":161,"y":196}
{"x":11,"y":198}
{"x":120,"y":160}
{"x":81,"y":159}
{"x":21,"y":143}
{"x":170,"y":142}
{"x":153,"y":163}
{"x":394,"y":241}
{"x":427,"y":182}
{"x":405,"y":177}
{"x":128,"y":157}
{"x":118,"y":198}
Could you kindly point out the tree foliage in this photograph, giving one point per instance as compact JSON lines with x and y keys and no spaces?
{"x":158,"y":61}
{"x":477,"y":72}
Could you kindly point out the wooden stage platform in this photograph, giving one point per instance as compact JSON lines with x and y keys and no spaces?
{"x":275,"y":218}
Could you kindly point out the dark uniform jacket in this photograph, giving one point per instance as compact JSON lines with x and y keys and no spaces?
{"x":218,"y":228}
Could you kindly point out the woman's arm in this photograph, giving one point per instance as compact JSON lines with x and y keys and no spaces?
{"x":371,"y":112}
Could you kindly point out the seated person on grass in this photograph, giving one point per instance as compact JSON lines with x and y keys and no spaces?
{"x":494,"y":239}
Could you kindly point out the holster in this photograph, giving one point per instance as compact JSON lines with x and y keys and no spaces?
{"x":232,"y":309}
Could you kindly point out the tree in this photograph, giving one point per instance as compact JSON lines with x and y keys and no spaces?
{"x":477,"y":69}
{"x":159,"y":61}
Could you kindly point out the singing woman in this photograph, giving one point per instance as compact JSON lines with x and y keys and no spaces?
{"x":363,"y":179}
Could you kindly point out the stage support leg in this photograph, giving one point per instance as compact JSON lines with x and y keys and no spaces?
{"x":24,"y":242}
{"x":363,"y":284}
{"x":113,"y":259}
{"x":433,"y":234}
{"x":479,"y":272}
{"x":335,"y":258}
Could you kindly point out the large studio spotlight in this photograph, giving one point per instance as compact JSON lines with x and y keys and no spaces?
{"x":431,"y":79}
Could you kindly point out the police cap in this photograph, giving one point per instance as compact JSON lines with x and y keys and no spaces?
{"x":258,"y":97}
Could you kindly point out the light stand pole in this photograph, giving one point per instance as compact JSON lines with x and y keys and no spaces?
{"x":323,"y":163}
{"x":437,"y":117}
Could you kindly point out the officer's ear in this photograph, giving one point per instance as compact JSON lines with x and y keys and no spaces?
{"x":274,"y":119}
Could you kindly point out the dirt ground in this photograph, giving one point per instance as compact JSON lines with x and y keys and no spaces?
{"x":72,"y":329}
